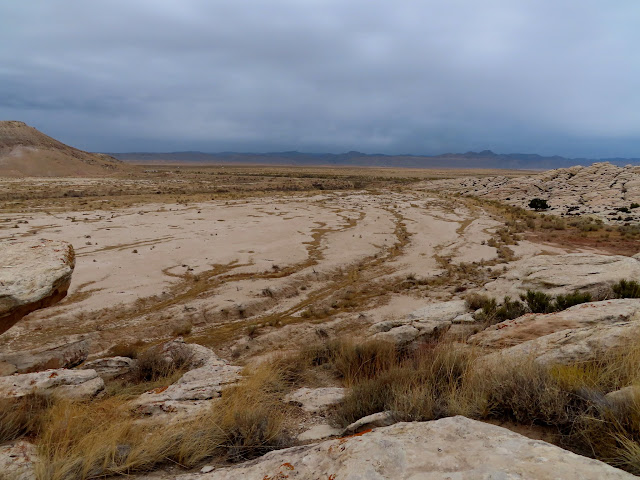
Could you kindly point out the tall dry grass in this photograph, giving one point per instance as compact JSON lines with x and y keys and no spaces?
{"x":445,"y":380}
{"x":82,"y":440}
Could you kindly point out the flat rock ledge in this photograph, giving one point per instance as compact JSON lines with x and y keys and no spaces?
{"x":66,"y":352}
{"x":428,"y":322}
{"x":315,"y":400}
{"x":74,"y":384}
{"x":567,"y":347}
{"x":450,"y":448}
{"x":560,"y":274}
{"x":537,"y":325}
{"x":33,"y":275}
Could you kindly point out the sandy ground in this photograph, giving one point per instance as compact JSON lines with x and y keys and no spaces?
{"x":223,"y":267}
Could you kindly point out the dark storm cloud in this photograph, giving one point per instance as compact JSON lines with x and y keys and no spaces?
{"x":378,"y":76}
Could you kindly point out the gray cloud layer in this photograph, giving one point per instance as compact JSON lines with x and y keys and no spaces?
{"x":410,"y":76}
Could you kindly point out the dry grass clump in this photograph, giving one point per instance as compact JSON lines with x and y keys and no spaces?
{"x":86,"y":440}
{"x":569,"y":401}
{"x":81,"y":440}
{"x":347,"y":360}
{"x":247,"y":422}
{"x":153,"y":368}
{"x":153,"y":364}
{"x":22,"y":415}
{"x":127,"y":349}
{"x":415,"y":388}
{"x":182,"y":329}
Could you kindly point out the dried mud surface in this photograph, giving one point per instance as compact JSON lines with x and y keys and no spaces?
{"x":248,"y":260}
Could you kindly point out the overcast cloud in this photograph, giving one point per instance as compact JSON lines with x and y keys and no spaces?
{"x":539,"y":76}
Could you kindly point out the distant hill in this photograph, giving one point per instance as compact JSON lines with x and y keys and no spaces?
{"x":27,"y":152}
{"x":484,"y":159}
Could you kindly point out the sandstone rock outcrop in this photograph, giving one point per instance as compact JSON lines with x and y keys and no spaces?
{"x":596,"y":189}
{"x":18,"y":460}
{"x":569,"y":346}
{"x":75,"y":384}
{"x":314,"y":400}
{"x":194,"y":390}
{"x":33,"y":275}
{"x":110,"y":367}
{"x":535,"y":325}
{"x":428,"y":322}
{"x":450,"y":448}
{"x":375,"y":420}
{"x":67,"y":352}
{"x":559,"y":274}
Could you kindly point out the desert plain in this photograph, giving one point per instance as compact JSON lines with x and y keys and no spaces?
{"x":228,"y":311}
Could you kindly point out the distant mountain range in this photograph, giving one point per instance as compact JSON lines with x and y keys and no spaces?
{"x":484,"y":159}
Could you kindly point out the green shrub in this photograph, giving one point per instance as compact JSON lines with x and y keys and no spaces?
{"x":569,"y":300}
{"x":538,"y":204}
{"x":509,"y":310}
{"x":626,"y":289}
{"x":538,"y":302}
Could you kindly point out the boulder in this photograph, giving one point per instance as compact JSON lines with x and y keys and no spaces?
{"x":375,"y":420}
{"x":64,"y":353}
{"x":110,"y":367}
{"x":314,"y":400}
{"x":450,"y":448}
{"x":18,"y":460}
{"x":556,"y":274}
{"x":75,"y":384}
{"x":535,"y":325}
{"x":33,"y":275}
{"x":569,"y":346}
{"x":430,"y":321}
{"x":194,"y":389}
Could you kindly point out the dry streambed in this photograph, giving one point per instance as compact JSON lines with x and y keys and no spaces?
{"x":213,"y":270}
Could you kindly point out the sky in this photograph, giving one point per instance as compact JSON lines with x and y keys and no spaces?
{"x":408,"y":76}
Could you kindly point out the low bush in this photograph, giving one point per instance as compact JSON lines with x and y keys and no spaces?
{"x":563,"y":302}
{"x":492,"y":312}
{"x":538,"y":204}
{"x":476,"y":301}
{"x":538,"y":302}
{"x":626,"y":289}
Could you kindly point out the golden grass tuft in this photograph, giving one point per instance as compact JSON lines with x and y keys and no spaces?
{"x":82,"y":440}
{"x":22,"y":415}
